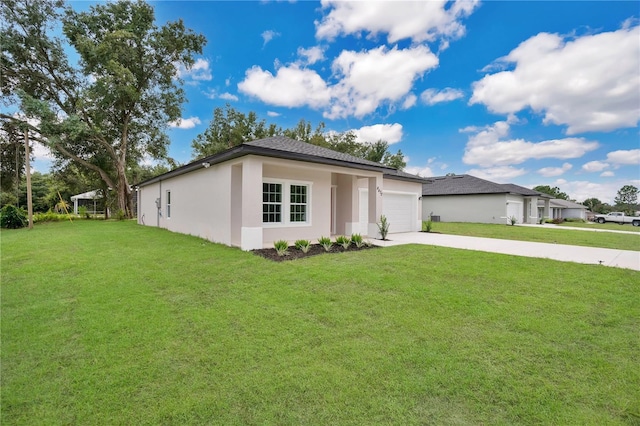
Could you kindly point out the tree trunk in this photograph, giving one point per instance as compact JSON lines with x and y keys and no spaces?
{"x":28,"y":172}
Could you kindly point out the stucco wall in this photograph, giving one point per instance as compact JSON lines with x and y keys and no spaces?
{"x":490,"y":208}
{"x":200,"y":203}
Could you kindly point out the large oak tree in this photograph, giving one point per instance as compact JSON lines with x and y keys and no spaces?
{"x":109,"y":109}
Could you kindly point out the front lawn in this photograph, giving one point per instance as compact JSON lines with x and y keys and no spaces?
{"x":543,"y":234}
{"x":115,"y":323}
{"x":601,"y":226}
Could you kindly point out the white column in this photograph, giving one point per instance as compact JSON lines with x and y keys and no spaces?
{"x":251,"y":229}
{"x":375,"y":205}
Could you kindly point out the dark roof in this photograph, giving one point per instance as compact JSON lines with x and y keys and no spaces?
{"x":287,"y":148}
{"x":468,"y":185}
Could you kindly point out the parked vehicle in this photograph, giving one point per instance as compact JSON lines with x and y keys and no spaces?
{"x":617,"y":217}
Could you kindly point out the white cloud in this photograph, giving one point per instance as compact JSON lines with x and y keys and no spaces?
{"x":590,"y":83}
{"x":228,"y":96}
{"x":290,"y":87}
{"x":311,"y":55}
{"x":391,"y":133}
{"x":555,"y":171}
{"x":409,"y":101}
{"x":489,"y":147}
{"x":41,"y":152}
{"x":269,"y":35}
{"x":185,"y":123}
{"x":273,"y":114}
{"x":416,"y":20}
{"x":199,"y":71}
{"x":607,"y":174}
{"x":582,"y":190}
{"x":502,"y":174}
{"x":420,"y":171}
{"x":624,"y":157}
{"x":433,"y":96}
{"x":595,"y":166}
{"x":369,"y":78}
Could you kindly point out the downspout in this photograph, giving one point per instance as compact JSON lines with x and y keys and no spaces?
{"x":159,"y":206}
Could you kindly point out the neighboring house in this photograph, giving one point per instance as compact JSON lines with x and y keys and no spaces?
{"x":563,"y":209}
{"x":466,"y":198}
{"x":92,"y":200}
{"x":280,"y":189}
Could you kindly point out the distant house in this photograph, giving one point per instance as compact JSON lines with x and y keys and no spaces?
{"x":466,"y":198}
{"x":563,"y":209}
{"x":280,"y":189}
{"x":93,"y":201}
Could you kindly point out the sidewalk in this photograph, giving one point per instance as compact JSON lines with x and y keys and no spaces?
{"x":588,"y":255}
{"x":575,"y":228}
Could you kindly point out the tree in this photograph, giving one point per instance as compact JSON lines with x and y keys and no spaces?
{"x":12,"y":158}
{"x":554,"y":192}
{"x":114,"y":106}
{"x":627,"y":199}
{"x":596,"y":206}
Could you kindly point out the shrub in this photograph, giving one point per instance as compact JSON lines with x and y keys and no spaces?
{"x":574,"y":220}
{"x":343,"y":241}
{"x":84,"y":212}
{"x":357,"y":240}
{"x":557,"y":221}
{"x":513,"y":220}
{"x":383,"y":227}
{"x":48,"y":217}
{"x":282,"y":247}
{"x":325,"y":242}
{"x":120,"y":214}
{"x":303,"y":245}
{"x":12,"y":217}
{"x":427,"y":225}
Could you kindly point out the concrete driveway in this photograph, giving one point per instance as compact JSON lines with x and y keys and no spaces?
{"x":589,"y":255}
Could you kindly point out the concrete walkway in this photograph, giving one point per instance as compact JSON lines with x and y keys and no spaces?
{"x":589,"y":255}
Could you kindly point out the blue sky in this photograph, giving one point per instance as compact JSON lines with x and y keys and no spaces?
{"x":532,"y":93}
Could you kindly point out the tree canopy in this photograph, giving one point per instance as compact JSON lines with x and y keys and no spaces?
{"x":627,"y":198}
{"x":554,"y":192}
{"x":230,"y":128}
{"x":112,"y":108}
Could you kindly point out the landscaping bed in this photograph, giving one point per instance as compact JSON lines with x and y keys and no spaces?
{"x":314,"y":250}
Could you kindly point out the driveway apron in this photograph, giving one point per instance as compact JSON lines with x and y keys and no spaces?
{"x":627,"y":259}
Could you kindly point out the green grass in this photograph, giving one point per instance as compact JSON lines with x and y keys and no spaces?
{"x":604,"y":226}
{"x":541,"y":234}
{"x":114,"y":323}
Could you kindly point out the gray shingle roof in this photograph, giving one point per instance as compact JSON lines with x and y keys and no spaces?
{"x":468,"y":185}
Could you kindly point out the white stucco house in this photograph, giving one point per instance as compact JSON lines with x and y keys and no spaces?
{"x":564,"y":209}
{"x":280,"y":189}
{"x":466,"y":198}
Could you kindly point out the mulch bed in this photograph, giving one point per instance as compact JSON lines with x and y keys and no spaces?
{"x":316,"y":249}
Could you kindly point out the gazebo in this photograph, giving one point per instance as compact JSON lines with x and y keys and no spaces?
{"x":91,"y":199}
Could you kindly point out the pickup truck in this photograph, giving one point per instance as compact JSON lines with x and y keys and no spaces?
{"x":617,"y":217}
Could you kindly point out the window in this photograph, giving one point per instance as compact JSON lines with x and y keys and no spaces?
{"x":285,"y":203}
{"x":168,"y":204}
{"x":298,"y":206}
{"x":271,"y":202}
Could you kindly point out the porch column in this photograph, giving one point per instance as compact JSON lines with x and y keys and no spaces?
{"x":532,"y":216}
{"x":251,"y":228}
{"x":547,"y":208}
{"x":375,"y":205}
{"x":351,"y":204}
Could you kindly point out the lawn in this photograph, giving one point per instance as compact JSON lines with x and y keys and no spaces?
{"x":543,"y":234}
{"x":115,"y":323}
{"x":601,"y":226}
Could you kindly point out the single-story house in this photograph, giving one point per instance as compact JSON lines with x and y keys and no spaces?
{"x":466,"y":198}
{"x":563,"y":209}
{"x":280,"y":189}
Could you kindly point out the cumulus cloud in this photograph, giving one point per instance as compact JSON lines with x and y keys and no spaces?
{"x":595,"y":166}
{"x":433,"y":96}
{"x":228,"y":96}
{"x":417,"y":20}
{"x":185,"y":123}
{"x":311,"y":55}
{"x":390,"y":133}
{"x":41,"y":152}
{"x":409,"y":101}
{"x":273,"y":114}
{"x":624,"y":157}
{"x":555,"y":171}
{"x":603,"y":190}
{"x":589,"y":83}
{"x":607,"y":174}
{"x":292,"y":86}
{"x":269,"y":35}
{"x":490,"y":147}
{"x":503,"y":174}
{"x":420,"y":171}
{"x":199,"y":71}
{"x":369,"y":78}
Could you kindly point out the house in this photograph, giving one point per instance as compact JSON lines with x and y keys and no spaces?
{"x":92,"y":200}
{"x":280,"y":189}
{"x":564,"y":209}
{"x":466,"y":198}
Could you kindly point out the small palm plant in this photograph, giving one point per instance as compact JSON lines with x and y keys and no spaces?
{"x":282,"y":247}
{"x":513,"y":220}
{"x":357,"y":240}
{"x":383,"y":227}
{"x":325,"y":242}
{"x":343,"y":241}
{"x":303,"y":245}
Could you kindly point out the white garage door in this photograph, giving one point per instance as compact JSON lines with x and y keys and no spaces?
{"x":400,"y":210}
{"x":514,"y":209}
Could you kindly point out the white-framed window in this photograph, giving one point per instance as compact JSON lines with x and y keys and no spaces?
{"x":168,"y":204}
{"x":286,"y":203}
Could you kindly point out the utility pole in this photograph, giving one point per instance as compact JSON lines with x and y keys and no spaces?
{"x":28,"y":172}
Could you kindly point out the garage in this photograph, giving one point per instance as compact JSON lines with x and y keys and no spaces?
{"x":399,"y":208}
{"x":514,"y":209}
